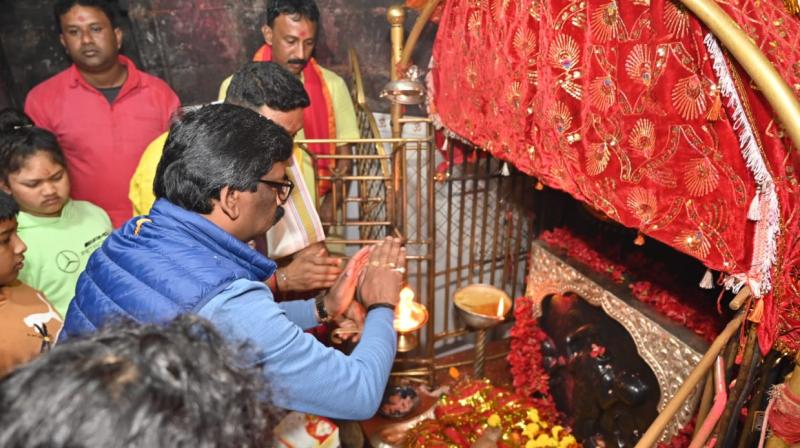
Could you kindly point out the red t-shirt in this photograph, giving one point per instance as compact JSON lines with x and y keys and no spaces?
{"x":103,"y":142}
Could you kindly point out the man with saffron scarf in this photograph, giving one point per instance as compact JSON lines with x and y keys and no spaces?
{"x":290,"y":35}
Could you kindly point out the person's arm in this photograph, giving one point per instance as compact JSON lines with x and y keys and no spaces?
{"x":300,"y":312}
{"x":304,"y":375}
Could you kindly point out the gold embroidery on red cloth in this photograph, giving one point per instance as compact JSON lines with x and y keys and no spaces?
{"x":688,"y":97}
{"x":600,"y":199}
{"x":642,"y":204}
{"x":653,"y":167}
{"x":676,"y":19}
{"x":643,"y":137}
{"x":474,"y":24}
{"x":639,"y":65}
{"x":514,"y":94}
{"x":700,"y":176}
{"x":525,"y":44}
{"x":598,"y":153}
{"x":602,"y":93}
{"x":712,"y":153}
{"x":574,"y":12}
{"x":565,"y":55}
{"x":665,"y":219}
{"x":710,"y":228}
{"x":597,"y":156}
{"x":560,"y":118}
{"x":606,"y":23}
{"x":693,"y":242}
{"x":533,"y":77}
{"x":498,"y":9}
{"x":472,"y":74}
{"x":640,"y":68}
{"x":643,"y":24}
{"x":535,"y":10}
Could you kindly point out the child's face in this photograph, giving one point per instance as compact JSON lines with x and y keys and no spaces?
{"x":11,"y":251}
{"x":41,"y":186}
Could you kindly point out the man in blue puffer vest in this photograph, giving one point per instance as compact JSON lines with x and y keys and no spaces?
{"x":220,"y":183}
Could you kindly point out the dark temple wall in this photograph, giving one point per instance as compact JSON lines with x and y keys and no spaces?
{"x":194,"y":45}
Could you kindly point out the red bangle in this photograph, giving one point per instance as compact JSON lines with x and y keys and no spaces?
{"x":272,"y":282}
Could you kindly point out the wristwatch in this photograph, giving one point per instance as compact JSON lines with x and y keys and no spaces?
{"x":322,"y":314}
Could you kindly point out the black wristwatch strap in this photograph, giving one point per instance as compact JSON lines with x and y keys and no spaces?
{"x":322,"y":313}
{"x":375,"y":306}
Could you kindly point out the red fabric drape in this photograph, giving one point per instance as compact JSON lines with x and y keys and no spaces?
{"x":619,"y":105}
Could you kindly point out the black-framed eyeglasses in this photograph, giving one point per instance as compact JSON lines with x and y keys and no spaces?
{"x":284,"y":188}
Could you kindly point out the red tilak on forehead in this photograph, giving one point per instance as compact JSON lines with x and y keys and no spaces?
{"x":82,"y":18}
{"x":303,"y":34}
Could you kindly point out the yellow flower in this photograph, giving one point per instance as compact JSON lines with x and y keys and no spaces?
{"x":531,"y":430}
{"x":494,"y":420}
{"x":567,"y":442}
{"x":543,"y":441}
{"x":533,"y":415}
{"x":557,"y":429}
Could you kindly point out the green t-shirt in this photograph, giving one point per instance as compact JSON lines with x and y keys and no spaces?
{"x":59,"y":248}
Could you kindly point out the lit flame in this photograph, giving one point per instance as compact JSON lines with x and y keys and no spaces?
{"x":409,"y":314}
{"x":500,"y":307}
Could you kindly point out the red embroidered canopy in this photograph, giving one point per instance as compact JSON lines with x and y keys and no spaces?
{"x":633,"y":108}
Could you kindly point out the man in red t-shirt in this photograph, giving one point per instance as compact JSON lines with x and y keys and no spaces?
{"x":103,"y":110}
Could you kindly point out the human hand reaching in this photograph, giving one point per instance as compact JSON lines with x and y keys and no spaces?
{"x":382,"y":277}
{"x":351,"y":324}
{"x":310,"y":269}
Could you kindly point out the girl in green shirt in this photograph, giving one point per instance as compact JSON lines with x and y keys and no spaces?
{"x":60,"y":233}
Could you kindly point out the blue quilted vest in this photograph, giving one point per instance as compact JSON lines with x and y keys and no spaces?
{"x":174,"y":264}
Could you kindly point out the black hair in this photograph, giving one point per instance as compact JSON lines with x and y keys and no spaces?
{"x":11,"y":119}
{"x":19,"y":140}
{"x":258,"y":84}
{"x":63,"y":6}
{"x":8,"y":206}
{"x":216,"y":146}
{"x":147,"y":386}
{"x":304,"y":8}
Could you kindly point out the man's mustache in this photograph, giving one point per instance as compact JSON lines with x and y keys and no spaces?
{"x":279,"y":212}
{"x":296,"y":61}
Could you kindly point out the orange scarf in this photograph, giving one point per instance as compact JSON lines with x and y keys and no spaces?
{"x":319,"y":121}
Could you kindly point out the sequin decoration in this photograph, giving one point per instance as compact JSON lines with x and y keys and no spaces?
{"x":639,"y":65}
{"x":643,"y":204}
{"x":606,"y":23}
{"x":597,"y":158}
{"x":676,"y":19}
{"x":565,"y":55}
{"x":602,"y":93}
{"x":693,"y":242}
{"x":643,"y":137}
{"x":560,"y":118}
{"x":700,"y":176}
{"x":688,"y":97}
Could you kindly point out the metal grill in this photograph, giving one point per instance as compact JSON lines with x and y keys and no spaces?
{"x":463,"y":221}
